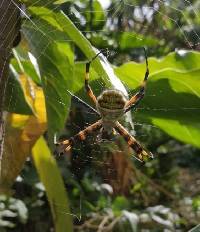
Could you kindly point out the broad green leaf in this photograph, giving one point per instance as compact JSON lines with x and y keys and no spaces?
{"x":15,"y":97}
{"x":181,"y":60}
{"x":129,"y":40}
{"x":31,"y":71}
{"x":50,"y":176}
{"x":65,"y":28}
{"x":119,"y":204}
{"x":58,"y":2}
{"x":48,"y":3}
{"x":96,"y":17}
{"x":172,"y":100}
{"x":55,"y":58}
{"x":27,"y":65}
{"x":57,"y":75}
{"x":103,"y":68}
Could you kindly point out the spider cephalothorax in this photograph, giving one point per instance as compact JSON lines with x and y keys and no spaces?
{"x":111,"y":105}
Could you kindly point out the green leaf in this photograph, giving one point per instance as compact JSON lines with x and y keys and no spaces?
{"x":48,"y":3}
{"x":15,"y":100}
{"x":55,"y":59}
{"x":28,"y":66}
{"x":96,"y":17}
{"x":58,"y":2}
{"x":172,"y":100}
{"x":57,"y":75}
{"x":196,"y":203}
{"x":30,"y":71}
{"x":51,"y":178}
{"x":119,"y":204}
{"x":129,"y":40}
{"x":103,"y":68}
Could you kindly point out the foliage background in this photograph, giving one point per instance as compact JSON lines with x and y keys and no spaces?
{"x":107,"y":189}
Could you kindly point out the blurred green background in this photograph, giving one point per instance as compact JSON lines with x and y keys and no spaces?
{"x":99,"y":186}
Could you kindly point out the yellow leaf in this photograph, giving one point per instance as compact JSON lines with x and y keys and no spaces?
{"x":22,"y":132}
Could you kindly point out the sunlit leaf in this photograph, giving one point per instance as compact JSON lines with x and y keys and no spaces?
{"x":15,"y":98}
{"x":22,"y":131}
{"x":103,"y":68}
{"x":25,"y":62}
{"x":61,"y":2}
{"x":50,"y":176}
{"x":172,"y":100}
{"x":55,"y":59}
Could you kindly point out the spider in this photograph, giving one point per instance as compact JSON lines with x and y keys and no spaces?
{"x":111,"y":105}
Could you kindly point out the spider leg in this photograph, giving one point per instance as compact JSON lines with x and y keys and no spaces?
{"x":87,"y":71}
{"x":66,"y":145}
{"x":141,"y":154}
{"x":87,"y":86}
{"x":134,"y":101}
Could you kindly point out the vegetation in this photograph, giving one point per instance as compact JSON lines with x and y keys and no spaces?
{"x":99,"y":186}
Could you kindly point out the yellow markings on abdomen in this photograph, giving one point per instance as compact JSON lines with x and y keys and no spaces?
{"x":112,"y":100}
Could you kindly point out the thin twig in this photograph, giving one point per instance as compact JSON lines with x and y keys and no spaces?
{"x":103,"y":222}
{"x":112,"y":224}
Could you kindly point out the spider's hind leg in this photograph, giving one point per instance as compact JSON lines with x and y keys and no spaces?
{"x":66,"y":145}
{"x":140,"y":153}
{"x":62,"y":146}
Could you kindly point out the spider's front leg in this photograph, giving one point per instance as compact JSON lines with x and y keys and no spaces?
{"x":141,"y":154}
{"x":66,"y":145}
{"x":87,"y":74}
{"x":134,"y":101}
{"x":87,"y":86}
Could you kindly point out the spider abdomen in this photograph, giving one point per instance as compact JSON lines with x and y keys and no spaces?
{"x":110,"y":104}
{"x":111,"y":99}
